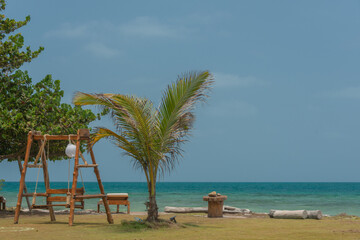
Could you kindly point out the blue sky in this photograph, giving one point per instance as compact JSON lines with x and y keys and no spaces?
{"x":285,"y":106}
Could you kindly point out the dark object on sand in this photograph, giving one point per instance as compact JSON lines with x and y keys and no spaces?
{"x":138,"y":219}
{"x":2,"y":203}
{"x":173,"y":219}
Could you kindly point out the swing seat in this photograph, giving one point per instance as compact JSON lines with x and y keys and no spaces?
{"x":51,"y":199}
{"x":39,"y":206}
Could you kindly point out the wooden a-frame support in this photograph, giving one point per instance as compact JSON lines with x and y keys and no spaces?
{"x":82,"y":135}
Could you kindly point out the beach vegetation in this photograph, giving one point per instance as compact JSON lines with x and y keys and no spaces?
{"x":152,"y":137}
{"x":25,"y":105}
{"x":133,"y":226}
{"x":1,"y":183}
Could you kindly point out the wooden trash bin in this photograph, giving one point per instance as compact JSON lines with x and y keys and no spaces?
{"x":215,"y":205}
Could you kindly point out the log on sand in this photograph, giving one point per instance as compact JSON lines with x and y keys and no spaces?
{"x":314,"y":214}
{"x":186,"y":209}
{"x":226,"y":209}
{"x":298,"y":214}
{"x":285,"y":214}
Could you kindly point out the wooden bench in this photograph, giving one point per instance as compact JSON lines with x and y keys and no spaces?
{"x":2,"y":203}
{"x":116,"y":199}
{"x":62,"y":199}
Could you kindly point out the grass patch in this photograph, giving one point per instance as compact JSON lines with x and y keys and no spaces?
{"x":134,"y":226}
{"x":189,"y":225}
{"x":93,"y":227}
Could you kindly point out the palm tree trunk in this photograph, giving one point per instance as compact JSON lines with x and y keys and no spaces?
{"x":152,"y":209}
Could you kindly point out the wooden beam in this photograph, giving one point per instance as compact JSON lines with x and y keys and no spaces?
{"x":40,"y":206}
{"x":87,"y":166}
{"x":25,"y":188}
{"x":58,"y":137}
{"x":47,"y":185}
{"x":64,"y":191}
{"x":74,"y":183}
{"x":89,"y":196}
{"x":37,"y":194}
{"x":59,"y":199}
{"x":22,"y":179}
{"x":34,"y":166}
{"x":97,"y":173}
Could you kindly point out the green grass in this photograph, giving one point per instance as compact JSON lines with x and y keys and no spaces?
{"x":188,"y":227}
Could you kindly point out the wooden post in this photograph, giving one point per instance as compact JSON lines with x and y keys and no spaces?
{"x":47,"y":186}
{"x":75,"y":177}
{"x":22,"y":179}
{"x":25,"y":188}
{"x":97,"y":173}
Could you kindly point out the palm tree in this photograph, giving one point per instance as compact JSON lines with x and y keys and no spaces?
{"x":151,"y":136}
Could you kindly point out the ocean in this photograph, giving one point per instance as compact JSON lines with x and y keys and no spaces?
{"x":330,"y":198}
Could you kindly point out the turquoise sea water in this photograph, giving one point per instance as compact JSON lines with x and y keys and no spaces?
{"x":331,"y":198}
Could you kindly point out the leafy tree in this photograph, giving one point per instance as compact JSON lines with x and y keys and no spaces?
{"x":11,"y":55}
{"x":151,"y":136}
{"x":25,"y":106}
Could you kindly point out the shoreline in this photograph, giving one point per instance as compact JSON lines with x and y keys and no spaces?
{"x":43,"y":212}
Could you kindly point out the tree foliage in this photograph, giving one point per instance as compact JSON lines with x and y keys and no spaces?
{"x":26,"y":106}
{"x":11,"y":55}
{"x":151,"y":136}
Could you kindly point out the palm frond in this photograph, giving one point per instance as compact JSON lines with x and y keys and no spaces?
{"x":175,"y":112}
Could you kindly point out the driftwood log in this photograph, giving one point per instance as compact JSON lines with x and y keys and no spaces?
{"x":285,"y":214}
{"x":186,"y":209}
{"x":314,"y":214}
{"x":226,"y":209}
{"x":298,"y":214}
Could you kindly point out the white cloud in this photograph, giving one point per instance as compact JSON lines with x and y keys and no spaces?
{"x":68,"y":30}
{"x":231,"y":80}
{"x":349,"y":92}
{"x":233,"y":109}
{"x":100,"y":50}
{"x":148,"y":27}
{"x":141,"y":26}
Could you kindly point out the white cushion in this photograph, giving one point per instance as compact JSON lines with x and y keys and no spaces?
{"x":117,"y":194}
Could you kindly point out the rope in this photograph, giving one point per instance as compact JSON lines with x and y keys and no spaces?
{"x":82,"y":180}
{"x":38,"y":174}
{"x":37,"y":180}
{"x":45,"y":140}
{"x":69,"y":177}
{"x":69,"y":171}
{"x":48,"y":145}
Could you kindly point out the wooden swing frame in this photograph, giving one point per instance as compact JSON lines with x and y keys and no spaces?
{"x":77,"y":194}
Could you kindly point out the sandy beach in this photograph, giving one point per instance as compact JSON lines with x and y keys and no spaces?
{"x":189,"y":226}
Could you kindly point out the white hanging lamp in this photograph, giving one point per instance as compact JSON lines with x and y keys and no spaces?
{"x":70,"y":149}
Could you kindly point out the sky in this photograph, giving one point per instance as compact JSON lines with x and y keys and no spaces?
{"x":285,"y":104}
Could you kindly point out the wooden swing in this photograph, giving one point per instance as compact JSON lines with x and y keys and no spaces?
{"x":76,"y":195}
